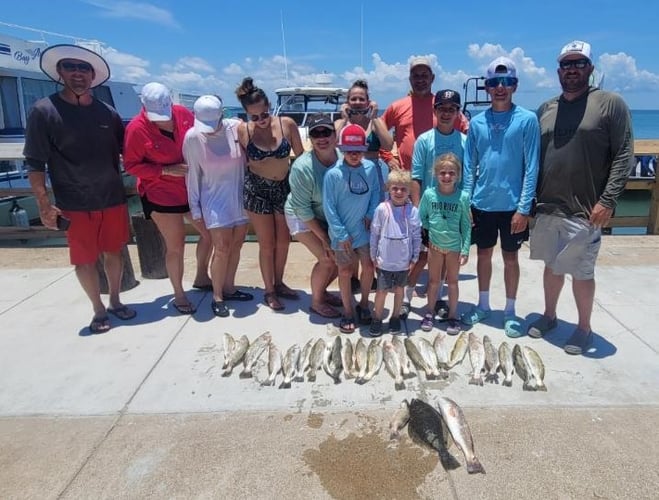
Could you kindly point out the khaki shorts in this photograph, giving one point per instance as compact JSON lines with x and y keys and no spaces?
{"x":344,"y":258}
{"x":566,"y":245}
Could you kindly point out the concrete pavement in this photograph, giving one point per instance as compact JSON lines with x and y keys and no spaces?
{"x":142,"y":411}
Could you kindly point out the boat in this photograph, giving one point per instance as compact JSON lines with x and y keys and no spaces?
{"x":301,"y":102}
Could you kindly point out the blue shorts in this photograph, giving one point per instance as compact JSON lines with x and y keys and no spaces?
{"x":391,"y":279}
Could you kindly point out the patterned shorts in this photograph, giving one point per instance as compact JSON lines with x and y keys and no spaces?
{"x":265,"y":196}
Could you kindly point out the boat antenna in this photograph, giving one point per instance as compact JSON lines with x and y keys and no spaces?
{"x":283,"y":41}
{"x":44,"y":32}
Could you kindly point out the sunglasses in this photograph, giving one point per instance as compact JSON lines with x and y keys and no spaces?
{"x":358,"y":185}
{"x":358,"y":111}
{"x":506,"y":81}
{"x":320,"y":132}
{"x":82,"y":67}
{"x":257,"y":118}
{"x":575,"y":63}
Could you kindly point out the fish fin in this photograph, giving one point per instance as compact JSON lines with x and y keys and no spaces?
{"x":267,"y":383}
{"x":507,"y":383}
{"x":399,"y":386}
{"x":476,"y":381}
{"x":298,"y":378}
{"x":394,"y":435}
{"x":541,"y":387}
{"x":475,"y":467}
{"x":359,"y":381}
{"x":492,"y":378}
{"x":227,"y":372}
{"x":449,"y":462}
{"x":337,"y":380}
{"x":311,"y":377}
{"x":245,"y":374}
{"x":285,"y":385}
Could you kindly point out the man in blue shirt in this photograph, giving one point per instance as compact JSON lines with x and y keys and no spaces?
{"x":500,"y":175}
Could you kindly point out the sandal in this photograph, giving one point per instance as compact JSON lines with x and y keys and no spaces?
{"x":203,"y":288}
{"x":475,"y":315}
{"x":364,"y":315}
{"x":219,"y":309}
{"x":325,"y":310}
{"x":270,"y":299}
{"x":100,"y":325}
{"x":427,"y":323}
{"x":579,"y":342}
{"x":238,"y":295}
{"x":347,"y":325}
{"x":184,"y":308}
{"x":122,"y":312}
{"x":286,"y":292}
{"x":541,"y":326}
{"x":512,"y":326}
{"x":332,"y":300}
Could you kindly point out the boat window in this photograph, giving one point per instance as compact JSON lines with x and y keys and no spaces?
{"x":103,"y":93}
{"x":10,"y":116}
{"x":33,"y":90}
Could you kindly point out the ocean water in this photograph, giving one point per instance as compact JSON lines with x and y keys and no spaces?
{"x":646,"y":123}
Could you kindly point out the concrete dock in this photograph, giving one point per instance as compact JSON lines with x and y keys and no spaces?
{"x":143,"y":412}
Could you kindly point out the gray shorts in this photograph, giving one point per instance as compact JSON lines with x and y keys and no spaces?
{"x":391,"y":279}
{"x":566,"y":245}
{"x":344,"y":258}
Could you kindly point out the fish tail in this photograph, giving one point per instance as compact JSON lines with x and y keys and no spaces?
{"x":359,"y":381}
{"x":507,"y":382}
{"x":475,"y":467}
{"x":492,"y":378}
{"x":394,"y":435}
{"x":245,"y":374}
{"x":267,"y":383}
{"x":227,"y":372}
{"x":476,"y":381}
{"x":449,"y":462}
{"x":541,"y":387}
{"x":337,"y":380}
{"x":311,"y":377}
{"x":399,"y":386}
{"x":299,"y":378}
{"x":285,"y":385}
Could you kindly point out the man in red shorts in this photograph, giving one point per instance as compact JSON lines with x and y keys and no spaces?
{"x":79,"y":139}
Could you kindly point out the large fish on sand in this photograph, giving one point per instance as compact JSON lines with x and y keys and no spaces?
{"x":506,"y":364}
{"x":399,"y":347}
{"x":303,"y":361}
{"x":477,"y":358}
{"x":316,"y":359}
{"x":392,"y":364}
{"x":373,"y":361}
{"x":459,"y":429}
{"x":229,"y":345}
{"x":536,"y":368}
{"x":289,"y":365}
{"x":427,"y":428}
{"x":399,"y":419}
{"x":274,"y":364}
{"x":459,"y":350}
{"x":491,"y":361}
{"x":332,"y":360}
{"x":522,"y":368}
{"x":428,"y":352}
{"x":418,"y":359}
{"x":360,"y":364}
{"x":347,"y":357}
{"x":254,"y":352}
{"x":441,"y":351}
{"x":237,"y":355}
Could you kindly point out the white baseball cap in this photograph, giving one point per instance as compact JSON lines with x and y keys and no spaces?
{"x":157,"y":102}
{"x":505,"y":67}
{"x":208,"y":111}
{"x":576,"y":47}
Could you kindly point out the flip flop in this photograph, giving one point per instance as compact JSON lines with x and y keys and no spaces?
{"x":333,"y":300}
{"x":238,"y":295}
{"x":347,"y":325}
{"x":286,"y":292}
{"x":205,"y":288}
{"x":512,"y":327}
{"x":270,"y":299}
{"x":184,"y":308}
{"x":122,"y":312}
{"x":475,"y":315}
{"x":325,"y":310}
{"x":100,"y":325}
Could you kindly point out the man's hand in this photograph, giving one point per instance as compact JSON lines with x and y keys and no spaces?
{"x":518,"y":223}
{"x":48,"y":214}
{"x":600,"y":215}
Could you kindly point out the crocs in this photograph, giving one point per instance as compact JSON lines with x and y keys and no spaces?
{"x":579,"y":342}
{"x":512,"y":326}
{"x":475,"y":315}
{"x":541,"y":326}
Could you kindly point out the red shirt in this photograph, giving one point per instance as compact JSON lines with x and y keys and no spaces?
{"x":147,"y":151}
{"x":411,"y":116}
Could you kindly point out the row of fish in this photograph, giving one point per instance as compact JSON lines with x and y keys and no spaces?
{"x":362,"y":360}
{"x":437,"y":429}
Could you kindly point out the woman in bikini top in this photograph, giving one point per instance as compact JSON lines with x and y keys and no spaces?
{"x":268,"y":144}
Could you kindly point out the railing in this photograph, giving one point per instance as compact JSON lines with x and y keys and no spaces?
{"x":641,"y":147}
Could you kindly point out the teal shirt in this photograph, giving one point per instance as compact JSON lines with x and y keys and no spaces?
{"x":446,"y":217}
{"x":428,"y":147}
{"x":305,"y":201}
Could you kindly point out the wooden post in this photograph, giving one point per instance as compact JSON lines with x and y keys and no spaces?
{"x":653,"y":219}
{"x":150,"y":247}
{"x":128,"y":280}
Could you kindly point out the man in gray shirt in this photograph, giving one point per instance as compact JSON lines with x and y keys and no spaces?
{"x":587,"y":152}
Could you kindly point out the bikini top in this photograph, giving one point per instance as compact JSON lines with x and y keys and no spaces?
{"x":257,"y":154}
{"x":373,"y":142}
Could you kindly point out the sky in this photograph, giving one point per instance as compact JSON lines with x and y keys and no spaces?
{"x":208,"y":47}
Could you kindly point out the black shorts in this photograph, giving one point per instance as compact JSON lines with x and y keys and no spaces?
{"x":264,"y":196}
{"x":488,"y":226}
{"x":149,"y":206}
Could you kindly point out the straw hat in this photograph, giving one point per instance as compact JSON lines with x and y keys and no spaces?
{"x":55,"y":53}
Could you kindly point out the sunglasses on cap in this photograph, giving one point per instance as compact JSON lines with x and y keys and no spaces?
{"x":574,"y":63}
{"x":320,"y":132}
{"x":82,"y":67}
{"x":506,"y":81}
{"x":257,"y":118}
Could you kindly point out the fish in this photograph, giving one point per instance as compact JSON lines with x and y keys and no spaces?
{"x":491,"y":360}
{"x":536,"y":368}
{"x":427,"y":428}
{"x":229,"y":345}
{"x":303,"y":361}
{"x":237,"y":355}
{"x":454,"y":418}
{"x":316,"y":359}
{"x":373,"y":361}
{"x":506,"y":364}
{"x":477,"y":358}
{"x":428,"y":352}
{"x":254,"y":352}
{"x":289,"y":365}
{"x":332,"y":360}
{"x":459,"y":350}
{"x":347,"y":359}
{"x":399,"y":347}
{"x":441,"y":350}
{"x":521,"y":367}
{"x":360,"y":361}
{"x":399,"y":419}
{"x":274,"y":364}
{"x":414,"y":352}
{"x":392,"y":365}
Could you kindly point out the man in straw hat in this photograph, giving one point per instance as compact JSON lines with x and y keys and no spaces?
{"x":79,"y":138}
